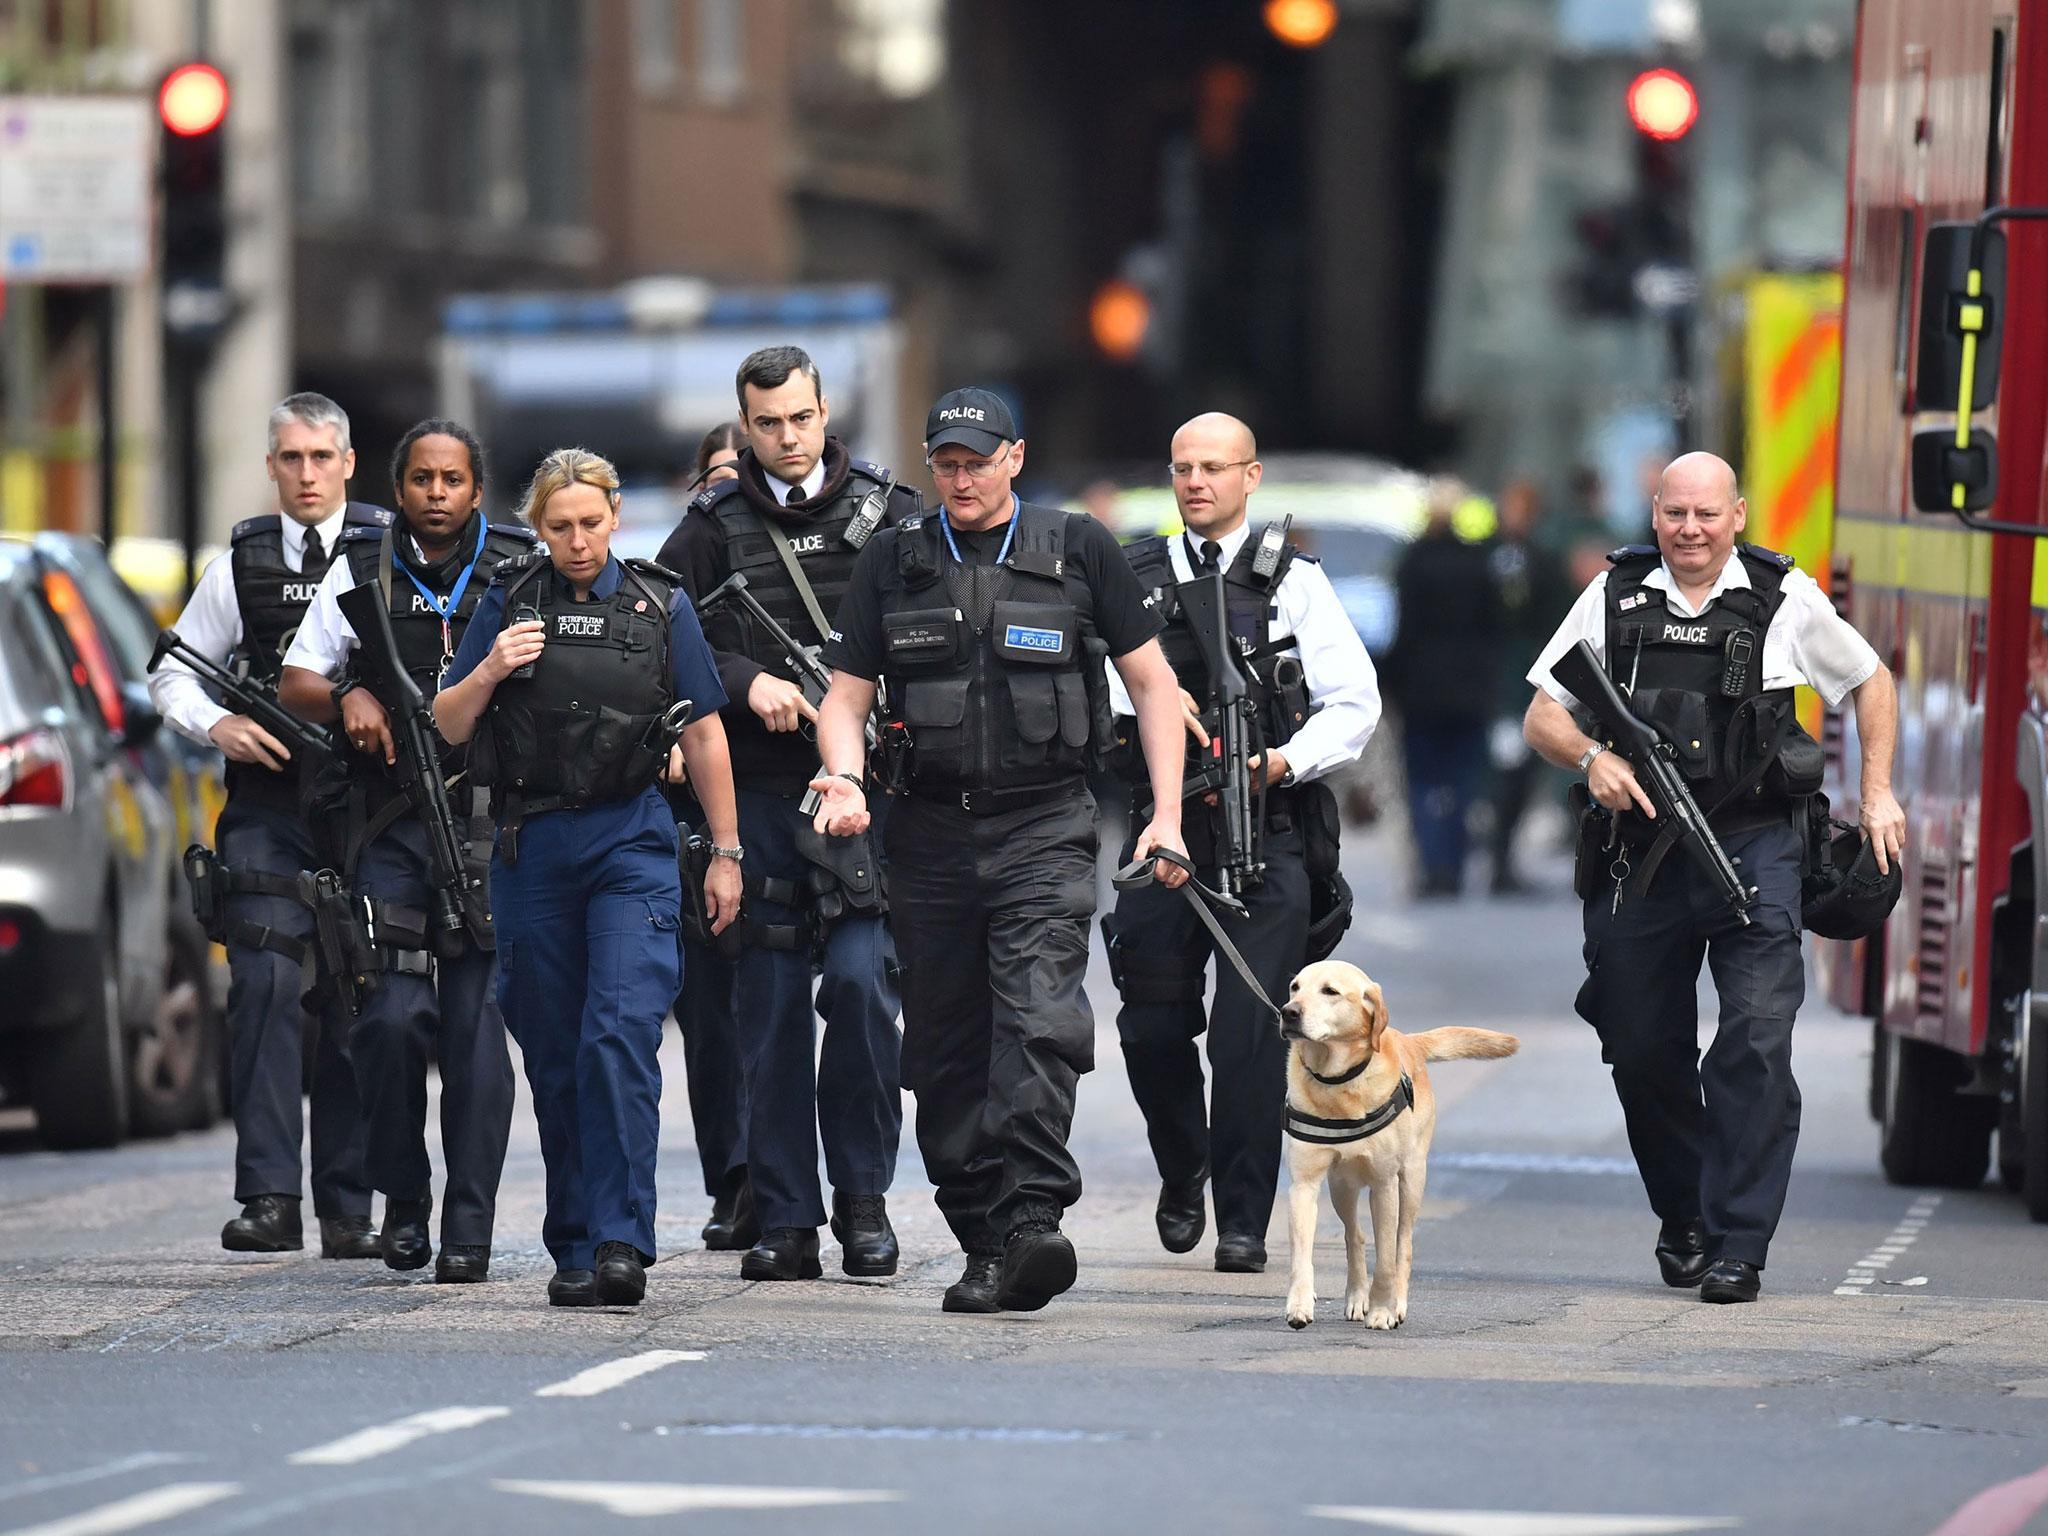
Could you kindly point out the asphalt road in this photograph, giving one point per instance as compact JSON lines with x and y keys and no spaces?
{"x":150,"y":1381}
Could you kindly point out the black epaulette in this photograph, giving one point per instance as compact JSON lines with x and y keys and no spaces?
{"x":1769,"y":557}
{"x":256,"y":524}
{"x":1633,"y":552}
{"x":508,"y":568}
{"x":517,"y":531}
{"x":711,"y":495}
{"x":362,"y":533}
{"x":874,"y":472}
{"x":912,"y":523}
{"x":655,"y":569}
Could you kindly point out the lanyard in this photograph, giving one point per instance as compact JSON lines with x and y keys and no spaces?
{"x":946,"y":526}
{"x":446,"y":606}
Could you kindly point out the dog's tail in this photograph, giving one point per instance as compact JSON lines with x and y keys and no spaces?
{"x":1455,"y":1044}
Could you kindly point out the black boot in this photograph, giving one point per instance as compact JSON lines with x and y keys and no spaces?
{"x":349,"y":1237}
{"x":462,"y":1264}
{"x":621,"y":1276}
{"x":1239,"y":1253}
{"x":1731,"y":1280}
{"x":1682,"y":1252}
{"x":975,"y":1290}
{"x":1038,"y":1264}
{"x":404,"y":1239}
{"x":867,"y":1243}
{"x":1180,"y":1215}
{"x":734,"y":1223}
{"x":784,"y":1253}
{"x":268,"y":1224}
{"x":572,"y":1288}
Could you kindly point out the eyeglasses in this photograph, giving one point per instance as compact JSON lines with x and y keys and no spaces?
{"x":1181,"y":468}
{"x":974,"y":469}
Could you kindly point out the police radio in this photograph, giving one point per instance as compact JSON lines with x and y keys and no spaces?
{"x":525,"y":613}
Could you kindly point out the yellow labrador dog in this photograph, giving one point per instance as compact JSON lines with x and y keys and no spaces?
{"x":1360,"y":1113}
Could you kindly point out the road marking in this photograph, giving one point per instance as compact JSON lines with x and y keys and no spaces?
{"x":1863,"y":1274}
{"x":998,"y":1435}
{"x":616,"y":1373}
{"x":1489,"y":1522}
{"x":105,"y":1469}
{"x":142,"y":1509}
{"x":382,"y":1439}
{"x":682,"y":1498}
{"x":2000,"y":1511}
{"x":1532,"y":1162}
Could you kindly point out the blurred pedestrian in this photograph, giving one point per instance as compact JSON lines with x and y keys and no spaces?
{"x":1534,"y":600}
{"x":575,"y":711}
{"x":1441,"y":675}
{"x":245,"y":610}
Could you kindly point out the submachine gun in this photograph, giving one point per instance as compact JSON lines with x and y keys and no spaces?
{"x":456,"y":891}
{"x":1240,"y":860}
{"x":1679,"y":815}
{"x":250,"y":695}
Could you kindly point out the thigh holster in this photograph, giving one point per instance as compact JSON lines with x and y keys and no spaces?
{"x":213,"y":883}
{"x":845,"y":878}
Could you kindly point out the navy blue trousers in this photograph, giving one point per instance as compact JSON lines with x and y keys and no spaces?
{"x":1445,"y":760}
{"x":707,"y":1015}
{"x":267,"y":1030}
{"x":1713,"y":1137}
{"x":852,"y":1088}
{"x":589,"y":962}
{"x":455,"y":1013}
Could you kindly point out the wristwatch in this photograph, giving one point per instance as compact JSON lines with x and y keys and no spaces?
{"x":852,"y":778}
{"x":735,"y":853}
{"x":1586,"y":757}
{"x":346,"y":686}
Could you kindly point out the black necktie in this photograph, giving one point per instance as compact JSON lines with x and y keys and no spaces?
{"x":796,"y":494}
{"x":1212,"y":556}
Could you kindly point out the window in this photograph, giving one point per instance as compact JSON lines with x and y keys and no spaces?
{"x":1999,"y":127}
{"x":721,"y":50}
{"x":654,"y":47}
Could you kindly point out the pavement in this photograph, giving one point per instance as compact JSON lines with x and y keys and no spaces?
{"x":1894,"y":1379}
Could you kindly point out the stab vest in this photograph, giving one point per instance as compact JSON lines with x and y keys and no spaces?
{"x":272,"y":599}
{"x":995,"y":670}
{"x":586,"y":726}
{"x":1699,"y":681}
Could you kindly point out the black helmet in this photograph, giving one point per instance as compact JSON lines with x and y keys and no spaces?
{"x":1329,"y":915}
{"x":1845,"y":896}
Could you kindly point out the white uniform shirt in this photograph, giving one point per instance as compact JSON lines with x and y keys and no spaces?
{"x":325,"y":635}
{"x":810,"y":485}
{"x":212,"y":625}
{"x":1808,"y":642}
{"x":1334,"y":664}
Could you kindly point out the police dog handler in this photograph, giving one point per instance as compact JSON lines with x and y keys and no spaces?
{"x":989,"y":620}
{"x":573,"y":706}
{"x":1712,"y":638}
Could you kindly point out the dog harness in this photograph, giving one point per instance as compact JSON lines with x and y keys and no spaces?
{"x":1331,"y":1133}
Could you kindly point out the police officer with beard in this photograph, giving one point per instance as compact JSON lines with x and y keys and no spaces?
{"x":793,"y":522}
{"x":1317,"y":703}
{"x":990,"y":620}
{"x":246,"y":608}
{"x":433,"y":569}
{"x":1708,"y":639}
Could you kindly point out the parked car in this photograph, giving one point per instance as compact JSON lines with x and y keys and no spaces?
{"x":112,"y":1021}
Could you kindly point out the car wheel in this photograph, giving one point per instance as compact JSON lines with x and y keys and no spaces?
{"x":174,"y":1070}
{"x":1929,"y":1132}
{"x":78,"y":1078}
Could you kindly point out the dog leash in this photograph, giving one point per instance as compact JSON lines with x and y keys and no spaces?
{"x":1141,"y":872}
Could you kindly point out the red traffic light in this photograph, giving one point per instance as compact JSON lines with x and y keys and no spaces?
{"x":193,"y":99}
{"x":1663,"y":104}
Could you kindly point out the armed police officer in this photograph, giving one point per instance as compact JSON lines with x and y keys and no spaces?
{"x":1313,"y":704}
{"x":1708,"y":639}
{"x":428,"y":987}
{"x":792,"y":523}
{"x":245,"y":610}
{"x":989,"y":620}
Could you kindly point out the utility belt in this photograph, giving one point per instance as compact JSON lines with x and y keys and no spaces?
{"x":997,"y":802}
{"x":843,"y":878}
{"x":214,"y":882}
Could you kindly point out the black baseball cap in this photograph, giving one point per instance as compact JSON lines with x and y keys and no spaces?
{"x":973,"y":418}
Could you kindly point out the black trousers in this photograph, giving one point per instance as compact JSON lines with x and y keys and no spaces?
{"x":1713,"y":1137}
{"x":991,"y":917}
{"x":707,"y":1012}
{"x":267,"y":1031}
{"x":457,"y":1012}
{"x":1164,"y":950}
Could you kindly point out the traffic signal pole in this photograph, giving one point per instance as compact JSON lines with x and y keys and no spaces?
{"x":107,"y":385}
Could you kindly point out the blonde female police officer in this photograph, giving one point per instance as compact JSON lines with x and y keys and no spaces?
{"x":572,"y":702}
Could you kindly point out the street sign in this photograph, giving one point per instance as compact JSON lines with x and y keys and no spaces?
{"x":75,"y":188}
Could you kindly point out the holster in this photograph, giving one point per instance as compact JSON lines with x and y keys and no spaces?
{"x":1593,"y":845}
{"x":693,"y":861}
{"x":341,"y":948}
{"x":845,"y":877}
{"x":209,"y":892}
{"x":213,"y":883}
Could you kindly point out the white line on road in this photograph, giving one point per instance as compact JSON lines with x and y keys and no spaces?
{"x":1863,"y":1273}
{"x":141,"y":1509}
{"x":1497,"y":1522}
{"x":382,"y":1439}
{"x":616,"y":1373}
{"x":1532,"y":1162}
{"x":681,"y":1498}
{"x":94,"y":1474}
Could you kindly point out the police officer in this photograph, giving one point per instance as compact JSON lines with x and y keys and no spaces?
{"x":1709,"y":639}
{"x":989,"y":620}
{"x":245,"y":609}
{"x":793,"y":521}
{"x":575,"y":705}
{"x":1317,"y":702}
{"x":433,"y":569}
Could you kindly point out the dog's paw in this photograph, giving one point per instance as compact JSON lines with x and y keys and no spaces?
{"x":1401,"y":1311}
{"x":1301,"y":1310}
{"x":1355,"y":1307}
{"x":1382,"y":1318}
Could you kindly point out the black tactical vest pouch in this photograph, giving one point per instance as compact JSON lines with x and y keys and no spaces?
{"x":924,"y":640}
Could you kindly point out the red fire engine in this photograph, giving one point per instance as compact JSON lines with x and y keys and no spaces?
{"x":1936,"y":560}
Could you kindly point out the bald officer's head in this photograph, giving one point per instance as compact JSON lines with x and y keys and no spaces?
{"x":1697,"y":514}
{"x":1215,"y":470}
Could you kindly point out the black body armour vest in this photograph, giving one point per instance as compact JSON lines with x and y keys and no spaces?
{"x":826,"y":544}
{"x":1700,"y":680}
{"x":995,"y":670}
{"x":272,"y":599}
{"x":585,"y":727}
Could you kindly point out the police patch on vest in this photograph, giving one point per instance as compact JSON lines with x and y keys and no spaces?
{"x":1685,"y":634}
{"x":298,"y":591}
{"x":809,"y":544}
{"x":1025,"y":637}
{"x":579,"y":626}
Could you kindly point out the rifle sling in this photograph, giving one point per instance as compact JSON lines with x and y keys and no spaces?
{"x":1668,"y":838}
{"x":787,"y":555}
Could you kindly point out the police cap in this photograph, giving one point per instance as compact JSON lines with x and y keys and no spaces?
{"x":974,"y":418}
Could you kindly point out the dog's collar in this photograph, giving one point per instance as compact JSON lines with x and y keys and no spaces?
{"x":1341,"y":1077}
{"x":1329,"y":1133}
